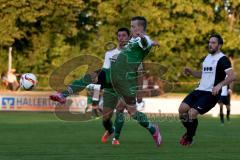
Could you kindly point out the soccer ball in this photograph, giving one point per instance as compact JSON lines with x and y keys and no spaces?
{"x":28,"y":81}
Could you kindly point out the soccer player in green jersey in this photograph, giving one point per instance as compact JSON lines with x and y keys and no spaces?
{"x":124,"y":74}
{"x":110,"y":97}
{"x":101,"y":77}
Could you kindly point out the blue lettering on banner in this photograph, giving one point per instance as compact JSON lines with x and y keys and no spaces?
{"x":34,"y":101}
{"x":25,"y":101}
{"x":39,"y":102}
{"x":19,"y":101}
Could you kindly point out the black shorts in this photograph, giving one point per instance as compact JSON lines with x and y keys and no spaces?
{"x":95,"y":103}
{"x":225,"y":100}
{"x":202,"y":101}
{"x":102,"y":80}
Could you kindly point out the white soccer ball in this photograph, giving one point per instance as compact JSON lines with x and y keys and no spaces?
{"x":28,"y":81}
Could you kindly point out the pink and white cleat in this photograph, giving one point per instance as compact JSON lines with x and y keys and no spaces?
{"x":157,"y":136}
{"x":58,"y":97}
{"x":115,"y":142}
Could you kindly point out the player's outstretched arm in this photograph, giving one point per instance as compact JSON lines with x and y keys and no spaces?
{"x":188,"y":71}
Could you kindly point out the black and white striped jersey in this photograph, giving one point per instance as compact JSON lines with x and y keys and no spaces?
{"x":214,"y":69}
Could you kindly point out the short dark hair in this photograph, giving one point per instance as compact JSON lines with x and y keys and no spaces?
{"x":219,"y":38}
{"x":123,"y":29}
{"x":142,"y":21}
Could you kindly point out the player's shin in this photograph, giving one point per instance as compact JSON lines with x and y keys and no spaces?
{"x":77,"y":85}
{"x":143,"y":121}
{"x":192,"y":127}
{"x":184,"y":118}
{"x":228,"y":114}
{"x":118,"y":124}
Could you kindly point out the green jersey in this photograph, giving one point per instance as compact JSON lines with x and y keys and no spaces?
{"x":131,"y":57}
{"x":124,"y":71}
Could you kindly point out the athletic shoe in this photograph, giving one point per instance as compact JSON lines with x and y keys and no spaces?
{"x":106,"y":136}
{"x":157,"y":136}
{"x":186,"y":140}
{"x":115,"y":142}
{"x":182,"y":140}
{"x":58,"y":97}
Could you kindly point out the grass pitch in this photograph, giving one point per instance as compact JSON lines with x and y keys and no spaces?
{"x":41,"y":136}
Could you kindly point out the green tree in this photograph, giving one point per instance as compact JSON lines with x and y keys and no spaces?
{"x":33,"y":29}
{"x":46,"y":33}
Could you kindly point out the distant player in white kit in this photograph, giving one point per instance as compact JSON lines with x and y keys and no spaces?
{"x":225,"y":99}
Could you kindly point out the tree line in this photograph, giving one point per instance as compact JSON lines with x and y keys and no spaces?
{"x":46,"y":33}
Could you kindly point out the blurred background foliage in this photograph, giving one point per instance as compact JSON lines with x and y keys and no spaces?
{"x":45,"y":34}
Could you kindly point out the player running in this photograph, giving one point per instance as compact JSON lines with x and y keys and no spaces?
{"x":215,"y":67}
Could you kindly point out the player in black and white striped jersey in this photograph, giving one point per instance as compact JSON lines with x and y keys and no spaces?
{"x":215,"y":67}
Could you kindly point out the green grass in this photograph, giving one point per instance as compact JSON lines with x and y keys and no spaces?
{"x":41,"y":136}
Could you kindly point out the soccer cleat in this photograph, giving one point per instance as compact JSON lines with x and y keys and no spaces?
{"x":105,"y":137}
{"x":182,"y":140}
{"x":58,"y":97}
{"x":186,"y":140}
{"x":115,"y":142}
{"x":157,"y":136}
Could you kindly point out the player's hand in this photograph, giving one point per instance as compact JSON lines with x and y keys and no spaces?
{"x":216,"y":89}
{"x":155,"y":43}
{"x":230,"y":91}
{"x":187,"y":71}
{"x":140,"y":34}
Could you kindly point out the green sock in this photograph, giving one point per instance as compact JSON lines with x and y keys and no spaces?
{"x":77,"y":85}
{"x":119,"y":121}
{"x":143,"y":121}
